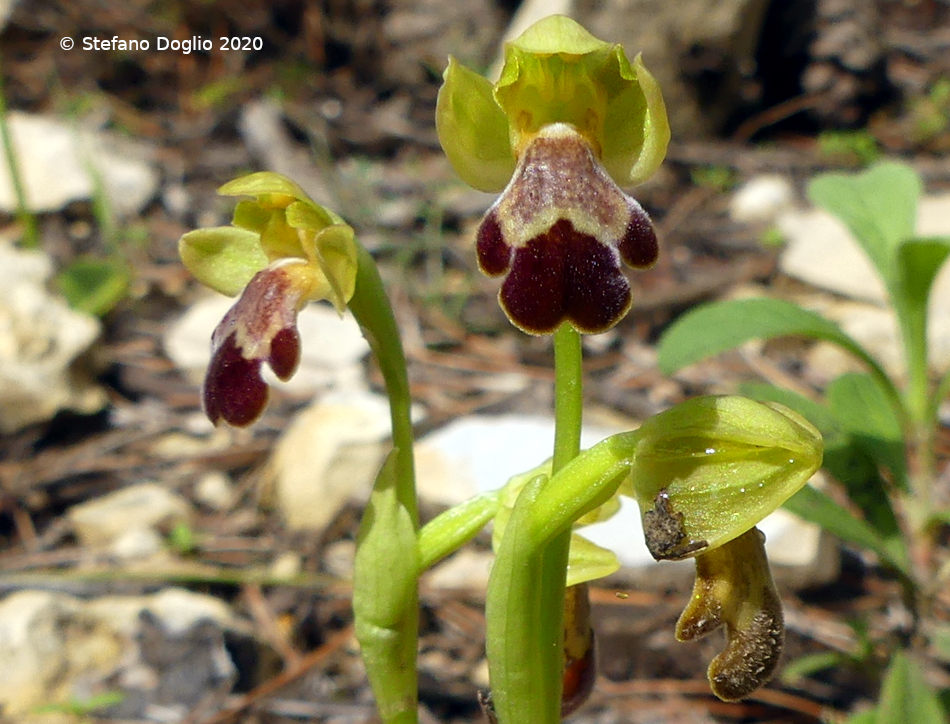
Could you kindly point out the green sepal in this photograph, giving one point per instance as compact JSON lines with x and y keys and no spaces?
{"x":558,"y":72}
{"x":334,"y":249}
{"x":473,"y":130}
{"x":224,"y":258}
{"x":588,"y":561}
{"x":707,"y":470}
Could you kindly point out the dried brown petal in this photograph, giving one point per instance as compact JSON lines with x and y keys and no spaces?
{"x":734,"y":589}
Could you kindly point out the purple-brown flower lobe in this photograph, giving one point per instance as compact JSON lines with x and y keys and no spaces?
{"x":560,"y":230}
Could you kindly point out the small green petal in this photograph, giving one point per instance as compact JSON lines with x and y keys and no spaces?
{"x":336,"y":253}
{"x":264,"y":184}
{"x":558,"y":34}
{"x":250,"y":215}
{"x":587,"y":561}
{"x":224,"y":258}
{"x":309,"y":216}
{"x":709,"y":469}
{"x":473,"y":130}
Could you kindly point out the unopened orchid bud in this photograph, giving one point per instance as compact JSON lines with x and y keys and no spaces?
{"x":707,"y":470}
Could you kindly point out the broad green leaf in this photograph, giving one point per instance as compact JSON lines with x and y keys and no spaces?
{"x":918,"y":261}
{"x":864,"y":717}
{"x":879,"y":206}
{"x":906,"y":696}
{"x":224,"y":258}
{"x":816,"y":507}
{"x":862,"y":410}
{"x":720,"y":326}
{"x":94,"y":286}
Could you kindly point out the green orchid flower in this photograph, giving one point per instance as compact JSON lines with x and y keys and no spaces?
{"x":568,"y":123}
{"x":282,"y":251}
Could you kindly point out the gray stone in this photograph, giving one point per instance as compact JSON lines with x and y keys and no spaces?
{"x":55,"y":159}
{"x":40,"y":341}
{"x":101,"y":521}
{"x":162,"y":652}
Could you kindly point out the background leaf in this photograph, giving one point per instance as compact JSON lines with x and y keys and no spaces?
{"x":845,"y":458}
{"x":862,"y":409}
{"x":720,"y":326}
{"x":879,"y":207}
{"x":906,"y":696}
{"x":94,"y":286}
{"x":816,"y":507}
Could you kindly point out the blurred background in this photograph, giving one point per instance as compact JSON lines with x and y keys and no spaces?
{"x":156,"y":569}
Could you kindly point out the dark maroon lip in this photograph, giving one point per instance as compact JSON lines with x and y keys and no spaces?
{"x":260,"y":327}
{"x":559,"y":233}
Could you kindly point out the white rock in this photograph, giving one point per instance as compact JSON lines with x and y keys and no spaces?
{"x":821,"y":252}
{"x":331,"y":353}
{"x":466,"y":570}
{"x":56,"y":648}
{"x":329,"y":455}
{"x":40,"y":338}
{"x":136,"y":543}
{"x":762,"y":199}
{"x":54,"y":161}
{"x":215,"y":490}
{"x":103,"y":520}
{"x":481,"y":452}
{"x":6,"y":8}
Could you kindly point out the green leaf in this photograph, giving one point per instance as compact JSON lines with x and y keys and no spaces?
{"x":816,"y":507}
{"x":224,"y":258}
{"x":720,"y":326}
{"x":94,"y":286}
{"x":906,"y":696}
{"x":919,"y":260}
{"x":797,"y":669}
{"x":385,"y":598}
{"x":879,"y":206}
{"x":862,"y":409}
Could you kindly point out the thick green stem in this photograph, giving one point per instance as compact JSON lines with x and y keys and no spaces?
{"x":370,"y":306}
{"x":385,"y":578}
{"x":533,"y":607}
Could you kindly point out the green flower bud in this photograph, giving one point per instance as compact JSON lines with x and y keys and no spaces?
{"x":709,"y":469}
